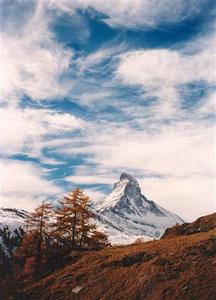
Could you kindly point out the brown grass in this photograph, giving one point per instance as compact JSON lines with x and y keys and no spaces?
{"x":178,"y":267}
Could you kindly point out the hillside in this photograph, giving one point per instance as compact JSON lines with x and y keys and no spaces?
{"x":200,"y":225}
{"x":175,"y":267}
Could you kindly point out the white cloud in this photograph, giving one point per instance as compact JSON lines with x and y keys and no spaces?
{"x":94,"y":98}
{"x":94,"y":194}
{"x":23,"y":185}
{"x":25,"y":177}
{"x":209,"y":106}
{"x":23,"y":130}
{"x":21,"y":201}
{"x":189,"y":197}
{"x":169,"y":149}
{"x":90,"y":179}
{"x":92,"y":60}
{"x":135,"y":13}
{"x":32,"y":61}
{"x":90,"y":175}
{"x":162,"y":72}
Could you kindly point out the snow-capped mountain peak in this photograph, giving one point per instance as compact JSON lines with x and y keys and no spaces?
{"x":116,"y":194}
{"x":126,"y":212}
{"x":126,"y":192}
{"x":127,"y":176}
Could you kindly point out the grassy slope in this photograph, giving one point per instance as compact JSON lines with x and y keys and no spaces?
{"x":176,"y":267}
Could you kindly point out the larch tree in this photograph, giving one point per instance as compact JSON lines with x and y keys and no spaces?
{"x":74,"y":222}
{"x":52,"y":232}
{"x":85,"y":223}
{"x":27,"y":250}
{"x":38,"y":223}
{"x":67,"y":217}
{"x":90,"y":236}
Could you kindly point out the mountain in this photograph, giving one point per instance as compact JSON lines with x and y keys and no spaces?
{"x":11,"y":230}
{"x":12,"y":217}
{"x":126,"y":214}
{"x":181,"y":266}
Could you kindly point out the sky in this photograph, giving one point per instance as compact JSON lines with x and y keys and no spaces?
{"x":94,"y":88}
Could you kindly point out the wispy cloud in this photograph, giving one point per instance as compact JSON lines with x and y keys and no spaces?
{"x":23,"y":185}
{"x":24,"y":130}
{"x":136,"y":13}
{"x":161,"y":73}
{"x":171,"y":149}
{"x":33,"y":62}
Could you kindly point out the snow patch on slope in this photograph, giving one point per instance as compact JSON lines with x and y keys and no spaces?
{"x":113,"y":198}
{"x":13,"y":218}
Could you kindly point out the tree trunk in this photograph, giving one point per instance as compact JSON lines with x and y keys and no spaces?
{"x":82,"y":231}
{"x":74,"y":230}
{"x":39,"y":246}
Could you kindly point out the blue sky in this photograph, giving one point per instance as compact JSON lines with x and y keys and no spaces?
{"x":92,"y":88}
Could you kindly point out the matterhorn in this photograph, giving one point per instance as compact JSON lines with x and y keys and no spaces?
{"x":126,"y":214}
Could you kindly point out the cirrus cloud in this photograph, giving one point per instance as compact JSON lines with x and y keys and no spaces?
{"x":136,"y":13}
{"x":33,"y":63}
{"x":24,"y":130}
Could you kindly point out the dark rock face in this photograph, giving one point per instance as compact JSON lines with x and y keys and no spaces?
{"x":17,"y":212}
{"x":127,"y":176}
{"x":9,"y":241}
{"x":11,"y":235}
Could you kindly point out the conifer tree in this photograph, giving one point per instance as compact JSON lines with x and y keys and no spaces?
{"x":74,"y":225}
{"x":67,"y":215}
{"x":90,"y":236}
{"x":38,"y":222}
{"x":86,"y":225}
{"x":27,"y":249}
